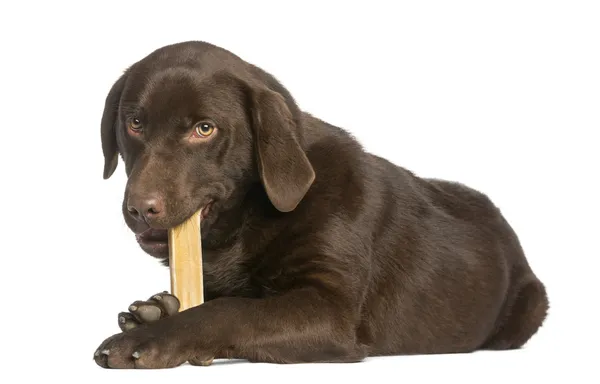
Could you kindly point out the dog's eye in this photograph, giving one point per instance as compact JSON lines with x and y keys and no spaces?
{"x":204,"y":129}
{"x":135,"y":124}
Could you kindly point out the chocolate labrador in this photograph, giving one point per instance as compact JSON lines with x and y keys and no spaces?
{"x":314,"y":249}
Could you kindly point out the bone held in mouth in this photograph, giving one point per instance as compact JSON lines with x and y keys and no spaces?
{"x":185,"y":264}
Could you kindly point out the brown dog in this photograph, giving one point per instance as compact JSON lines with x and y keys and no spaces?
{"x":314,"y":250}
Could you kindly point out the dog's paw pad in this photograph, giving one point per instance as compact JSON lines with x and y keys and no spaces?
{"x":169,"y":303}
{"x":155,"y":308}
{"x":127,"y":321}
{"x":146,"y":312}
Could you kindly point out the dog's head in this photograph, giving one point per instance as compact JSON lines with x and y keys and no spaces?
{"x":196,"y":127}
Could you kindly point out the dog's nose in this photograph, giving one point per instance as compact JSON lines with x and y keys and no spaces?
{"x":146,"y":208}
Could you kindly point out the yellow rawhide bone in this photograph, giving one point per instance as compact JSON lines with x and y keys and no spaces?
{"x":185,"y":262}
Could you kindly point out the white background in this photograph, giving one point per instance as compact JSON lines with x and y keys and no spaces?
{"x":503,"y":96}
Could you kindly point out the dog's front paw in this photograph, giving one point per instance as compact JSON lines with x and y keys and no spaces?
{"x":148,"y":347}
{"x":155,"y":308}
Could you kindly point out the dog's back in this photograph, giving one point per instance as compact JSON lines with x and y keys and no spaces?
{"x":447,"y":272}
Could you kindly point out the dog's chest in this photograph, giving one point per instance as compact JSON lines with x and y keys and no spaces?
{"x":227,"y":272}
{"x":232,"y":272}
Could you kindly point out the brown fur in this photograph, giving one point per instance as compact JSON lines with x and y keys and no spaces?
{"x":314,"y":249}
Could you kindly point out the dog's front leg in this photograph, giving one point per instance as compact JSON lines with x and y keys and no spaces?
{"x":304,"y":325}
{"x":299,"y":326}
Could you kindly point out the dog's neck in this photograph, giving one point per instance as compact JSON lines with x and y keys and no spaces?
{"x":249,"y":212}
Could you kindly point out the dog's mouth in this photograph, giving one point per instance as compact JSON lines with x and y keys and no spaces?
{"x":156,"y":241}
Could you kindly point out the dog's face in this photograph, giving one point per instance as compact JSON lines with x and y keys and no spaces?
{"x":194,"y":138}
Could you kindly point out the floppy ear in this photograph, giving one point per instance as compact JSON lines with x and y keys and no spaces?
{"x":108,"y":130}
{"x":284,"y":168}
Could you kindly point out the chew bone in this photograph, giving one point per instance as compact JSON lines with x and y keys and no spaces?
{"x":185,"y":262}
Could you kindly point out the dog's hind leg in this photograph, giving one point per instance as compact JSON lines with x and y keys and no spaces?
{"x":522,"y":318}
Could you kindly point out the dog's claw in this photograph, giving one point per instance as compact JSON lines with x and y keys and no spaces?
{"x":135,"y":355}
{"x":206,"y":363}
{"x":97,"y":353}
{"x":106,"y":352}
{"x":200,"y":362}
{"x":133,"y":308}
